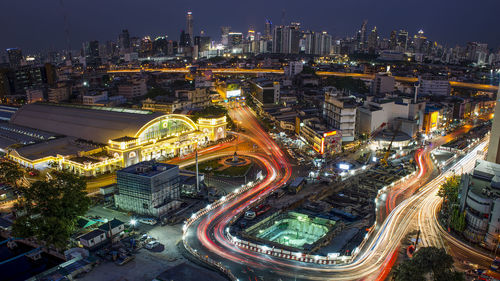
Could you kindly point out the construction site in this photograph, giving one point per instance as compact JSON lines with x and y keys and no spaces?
{"x":321,"y":218}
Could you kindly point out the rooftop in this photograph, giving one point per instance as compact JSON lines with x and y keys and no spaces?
{"x":91,"y":235}
{"x":113,"y":223}
{"x":148,"y":168}
{"x":95,"y":123}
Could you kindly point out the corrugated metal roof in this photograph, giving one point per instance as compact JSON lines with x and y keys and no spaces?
{"x":98,"y":125}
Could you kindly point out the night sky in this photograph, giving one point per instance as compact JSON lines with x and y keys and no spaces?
{"x":38,"y":25}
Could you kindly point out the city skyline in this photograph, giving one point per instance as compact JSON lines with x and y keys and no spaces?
{"x":52,"y":21}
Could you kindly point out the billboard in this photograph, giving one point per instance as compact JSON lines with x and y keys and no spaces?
{"x":233,"y":93}
{"x":233,"y":90}
{"x":434,"y":119}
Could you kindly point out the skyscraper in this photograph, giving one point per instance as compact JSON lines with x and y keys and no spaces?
{"x":189,"y":27}
{"x":15,"y":57}
{"x":419,"y":40}
{"x":403,"y":39}
{"x":124,"y":40}
{"x":373,"y":40}
{"x":268,"y":35}
{"x":286,"y":39}
{"x":493,"y":148}
{"x":91,"y":53}
{"x":393,"y":41}
{"x":225,"y":32}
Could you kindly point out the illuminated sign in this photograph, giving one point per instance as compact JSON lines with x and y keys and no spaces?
{"x":332,"y":133}
{"x":344,"y":166}
{"x":233,"y":93}
{"x":434,"y":118}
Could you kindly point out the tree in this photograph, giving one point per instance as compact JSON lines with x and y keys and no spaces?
{"x":449,"y":190}
{"x":428,"y":263}
{"x":10,"y":173}
{"x":49,"y":209}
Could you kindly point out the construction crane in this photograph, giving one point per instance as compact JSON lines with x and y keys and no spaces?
{"x":388,"y":152}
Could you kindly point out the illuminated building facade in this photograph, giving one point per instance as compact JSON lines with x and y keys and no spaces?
{"x":90,"y":140}
{"x":323,"y":141}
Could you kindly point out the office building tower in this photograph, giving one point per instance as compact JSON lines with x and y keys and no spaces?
{"x":373,"y":40}
{"x":203,"y":43}
{"x":419,"y":41}
{"x":184,"y":40}
{"x":268,"y":32}
{"x":148,"y":188}
{"x":403,"y":39}
{"x":124,"y":40}
{"x":317,"y":43}
{"x":235,"y":39}
{"x":15,"y":57}
{"x":189,"y":27}
{"x":224,"y":34}
{"x":393,"y":40}
{"x":286,"y":39}
{"x":91,"y":53}
{"x":494,"y":146}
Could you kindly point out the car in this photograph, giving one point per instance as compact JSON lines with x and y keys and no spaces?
{"x":151,"y":245}
{"x":145,"y":237}
{"x":148,"y":221}
{"x":250,"y":215}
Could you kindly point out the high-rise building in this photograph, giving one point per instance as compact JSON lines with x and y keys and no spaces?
{"x":189,"y":27}
{"x":224,"y":34}
{"x":373,"y":40}
{"x":286,"y":39}
{"x":184,"y":40}
{"x":203,"y":43}
{"x":91,"y":52}
{"x":419,"y":41}
{"x":235,"y":39}
{"x":361,"y":36}
{"x":494,"y":146}
{"x":268,"y":32}
{"x":124,"y":40}
{"x":317,"y":43}
{"x":15,"y":57}
{"x":393,"y":41}
{"x":403,"y":39}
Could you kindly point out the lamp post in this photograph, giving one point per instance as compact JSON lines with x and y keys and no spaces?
{"x":133,"y":222}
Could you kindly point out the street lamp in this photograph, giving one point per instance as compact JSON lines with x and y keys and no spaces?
{"x":133,"y":222}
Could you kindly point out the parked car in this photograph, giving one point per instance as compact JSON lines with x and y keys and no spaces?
{"x":152,"y":245}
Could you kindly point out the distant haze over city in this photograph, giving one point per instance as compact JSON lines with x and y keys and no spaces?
{"x":41,"y":26}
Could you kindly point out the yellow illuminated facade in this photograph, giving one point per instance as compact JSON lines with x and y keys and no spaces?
{"x":163,"y":137}
{"x":430,"y":121}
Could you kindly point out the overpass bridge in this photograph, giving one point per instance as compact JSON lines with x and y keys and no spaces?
{"x":455,"y":84}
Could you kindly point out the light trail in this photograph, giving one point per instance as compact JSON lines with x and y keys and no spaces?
{"x":482,"y":87}
{"x":208,"y":234}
